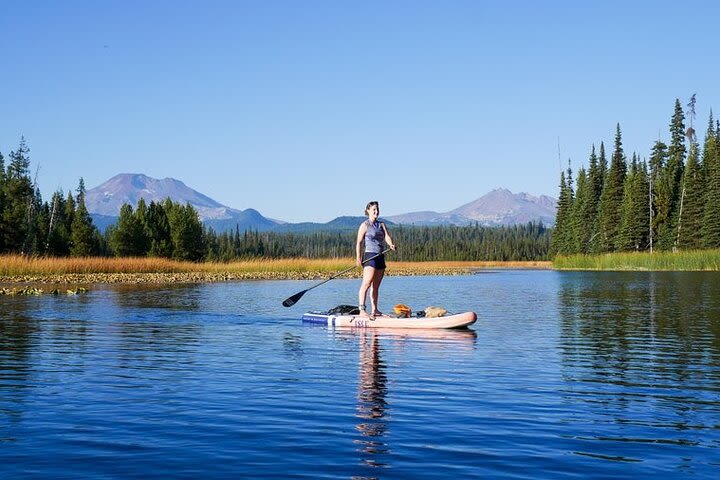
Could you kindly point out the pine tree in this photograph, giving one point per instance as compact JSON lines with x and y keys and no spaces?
{"x":635,"y":215}
{"x":661,"y":189}
{"x":70,"y":207}
{"x":590,"y":221}
{"x":561,"y":243}
{"x":125,"y":240}
{"x":582,"y":215}
{"x":597,"y":177}
{"x":58,"y":237}
{"x":37,"y":219}
{"x":711,"y":165}
{"x":672,"y":178}
{"x":158,"y":229}
{"x":612,"y":197}
{"x":3,"y":186}
{"x":82,"y":235}
{"x":19,"y":198}
{"x":143,"y":239}
{"x":689,"y":231}
{"x":186,"y":231}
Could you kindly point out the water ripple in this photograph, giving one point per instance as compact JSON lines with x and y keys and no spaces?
{"x":563,"y":376}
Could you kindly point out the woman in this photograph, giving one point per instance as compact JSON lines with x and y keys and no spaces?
{"x":374,"y":234}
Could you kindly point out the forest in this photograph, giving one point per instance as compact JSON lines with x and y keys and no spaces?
{"x":668,"y":202}
{"x":63,"y":227}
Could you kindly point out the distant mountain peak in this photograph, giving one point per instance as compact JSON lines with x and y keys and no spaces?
{"x":497,"y":207}
{"x":107,"y":198}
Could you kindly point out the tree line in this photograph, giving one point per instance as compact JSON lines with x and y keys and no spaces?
{"x":30,"y":226}
{"x":668,"y":202}
{"x":63,"y":227}
{"x":415,"y":243}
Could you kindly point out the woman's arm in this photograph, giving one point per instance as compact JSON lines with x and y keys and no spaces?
{"x":388,"y":238}
{"x":358,"y":243}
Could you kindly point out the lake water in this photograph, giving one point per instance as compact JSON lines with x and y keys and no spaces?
{"x":565,"y":375}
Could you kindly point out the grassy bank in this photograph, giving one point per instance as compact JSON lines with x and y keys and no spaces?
{"x":696,"y":260}
{"x":15,"y":268}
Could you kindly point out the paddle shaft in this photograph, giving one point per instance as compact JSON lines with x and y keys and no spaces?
{"x":290,"y":301}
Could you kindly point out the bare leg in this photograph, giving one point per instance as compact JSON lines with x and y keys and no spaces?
{"x":375,"y":291}
{"x":368,"y":276}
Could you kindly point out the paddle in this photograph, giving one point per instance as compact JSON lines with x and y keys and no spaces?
{"x":290,"y":301}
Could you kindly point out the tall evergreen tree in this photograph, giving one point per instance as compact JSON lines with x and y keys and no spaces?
{"x":158,"y":231}
{"x":612,"y":197}
{"x":597,"y":176}
{"x":82,"y":236}
{"x":635,"y":215}
{"x":672,"y":178}
{"x":690,"y":223}
{"x":596,"y":179}
{"x":661,"y":189}
{"x":37,"y":224}
{"x":143,"y":240}
{"x":583,"y":213}
{"x":711,"y":165}
{"x":2,"y":203}
{"x":58,"y":236}
{"x":19,"y":199}
{"x":561,"y":243}
{"x":186,"y":231}
{"x":126,"y":237}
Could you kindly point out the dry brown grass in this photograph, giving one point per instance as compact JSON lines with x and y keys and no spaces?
{"x":423,"y":266}
{"x":16,"y":268}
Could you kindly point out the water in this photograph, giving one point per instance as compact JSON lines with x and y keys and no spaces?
{"x":565,"y":375}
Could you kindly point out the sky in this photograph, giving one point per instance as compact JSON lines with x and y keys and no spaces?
{"x":306,"y":109}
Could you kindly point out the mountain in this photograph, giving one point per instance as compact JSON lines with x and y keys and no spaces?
{"x":498,"y":207}
{"x":104,"y":202}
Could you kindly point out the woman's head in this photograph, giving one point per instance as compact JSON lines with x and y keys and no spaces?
{"x":371,"y":205}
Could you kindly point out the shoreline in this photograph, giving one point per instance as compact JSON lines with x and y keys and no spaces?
{"x":218,"y":274}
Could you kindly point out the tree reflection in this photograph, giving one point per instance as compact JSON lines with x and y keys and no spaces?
{"x":626,"y":331}
{"x":19,"y":337}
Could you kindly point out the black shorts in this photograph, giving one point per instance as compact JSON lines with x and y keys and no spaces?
{"x":377,"y":263}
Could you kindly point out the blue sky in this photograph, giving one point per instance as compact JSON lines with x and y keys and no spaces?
{"x":306,"y":110}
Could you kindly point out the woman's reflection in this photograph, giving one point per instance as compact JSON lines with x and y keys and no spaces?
{"x":371,"y":407}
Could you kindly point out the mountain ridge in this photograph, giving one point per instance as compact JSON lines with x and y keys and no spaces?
{"x":496,"y":208}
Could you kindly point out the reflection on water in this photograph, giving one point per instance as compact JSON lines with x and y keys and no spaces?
{"x":179,"y":297}
{"x":18,"y":336}
{"x":371,"y":405}
{"x":372,"y":409}
{"x":645,"y":349}
{"x":616,"y":320}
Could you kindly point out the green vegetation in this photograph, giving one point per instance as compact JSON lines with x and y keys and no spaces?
{"x":693,"y":260}
{"x":417,"y":244}
{"x":669,"y":204}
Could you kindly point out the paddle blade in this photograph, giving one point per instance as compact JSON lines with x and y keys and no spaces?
{"x":290,"y":301}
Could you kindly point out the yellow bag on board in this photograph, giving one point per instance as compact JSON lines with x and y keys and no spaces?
{"x":402,"y":310}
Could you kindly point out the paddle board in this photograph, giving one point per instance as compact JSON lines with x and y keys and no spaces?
{"x":458,"y":320}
